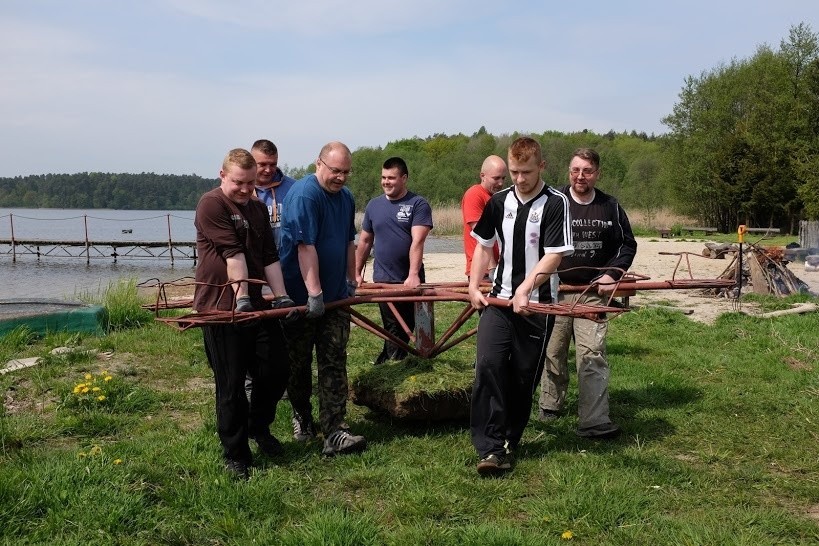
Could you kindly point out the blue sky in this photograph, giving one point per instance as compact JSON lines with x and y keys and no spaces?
{"x":169,"y":86}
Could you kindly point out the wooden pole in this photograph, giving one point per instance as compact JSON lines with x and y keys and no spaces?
{"x":87,"y":244}
{"x":13,"y":244}
{"x":170,"y":240}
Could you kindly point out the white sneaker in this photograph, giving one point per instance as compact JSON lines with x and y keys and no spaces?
{"x":341,"y":442}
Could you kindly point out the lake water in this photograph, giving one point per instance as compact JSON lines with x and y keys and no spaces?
{"x":65,"y":277}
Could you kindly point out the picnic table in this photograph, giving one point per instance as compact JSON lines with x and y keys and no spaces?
{"x":705,"y":230}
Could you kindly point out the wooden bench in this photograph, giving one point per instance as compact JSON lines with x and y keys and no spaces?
{"x":665,"y":233}
{"x":765,"y":230}
{"x":705,"y":230}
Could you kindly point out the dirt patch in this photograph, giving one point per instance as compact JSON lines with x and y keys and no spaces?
{"x":797,"y":365}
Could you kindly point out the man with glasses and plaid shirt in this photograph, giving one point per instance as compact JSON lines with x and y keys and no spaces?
{"x":602,"y":239}
{"x":318,"y":262}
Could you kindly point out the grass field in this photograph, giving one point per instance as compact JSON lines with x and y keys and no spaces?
{"x":720,"y":446}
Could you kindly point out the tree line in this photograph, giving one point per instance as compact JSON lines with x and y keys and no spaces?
{"x":143,"y":191}
{"x":441,"y":168}
{"x":741,"y":149}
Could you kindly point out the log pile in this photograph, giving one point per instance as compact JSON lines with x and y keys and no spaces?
{"x":764,"y":271}
{"x":718,"y":251}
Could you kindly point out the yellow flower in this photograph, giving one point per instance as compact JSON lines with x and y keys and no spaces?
{"x":101,"y":397}
{"x":96,"y":389}
{"x":95,"y":450}
{"x":77,"y":389}
{"x":88,"y":376}
{"x":567,"y":535}
{"x":108,"y":378}
{"x":117,"y":461}
{"x":84,"y":390}
{"x":81,"y":455}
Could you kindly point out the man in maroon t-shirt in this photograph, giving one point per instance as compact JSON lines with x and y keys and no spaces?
{"x":235,"y":244}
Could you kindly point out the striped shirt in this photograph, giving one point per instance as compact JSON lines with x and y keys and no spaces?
{"x":525,"y":232}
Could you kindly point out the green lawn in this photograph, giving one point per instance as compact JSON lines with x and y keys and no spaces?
{"x":720,"y":446}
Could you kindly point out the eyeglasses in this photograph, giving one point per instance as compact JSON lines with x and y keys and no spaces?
{"x":336,"y":172}
{"x":588,"y":171}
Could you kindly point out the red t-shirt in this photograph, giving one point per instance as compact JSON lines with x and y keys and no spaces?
{"x":472,"y":205}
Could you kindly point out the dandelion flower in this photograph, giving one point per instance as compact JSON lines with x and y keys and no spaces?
{"x":88,"y":376}
{"x":567,"y":535}
{"x":101,"y":397}
{"x":95,"y":450}
{"x":77,"y":389}
{"x":117,"y":461}
{"x":84,"y":390}
{"x":108,"y":378}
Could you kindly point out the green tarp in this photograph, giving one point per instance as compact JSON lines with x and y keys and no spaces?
{"x":42,"y":316}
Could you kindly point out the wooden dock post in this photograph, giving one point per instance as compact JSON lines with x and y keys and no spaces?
{"x":87,"y":243}
{"x":13,"y":245}
{"x":170,"y":239}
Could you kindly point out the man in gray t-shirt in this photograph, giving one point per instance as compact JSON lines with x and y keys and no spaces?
{"x":401,"y":220}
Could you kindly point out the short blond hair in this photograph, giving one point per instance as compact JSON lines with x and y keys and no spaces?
{"x":239,"y":157}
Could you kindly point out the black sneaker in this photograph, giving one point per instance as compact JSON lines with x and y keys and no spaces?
{"x":605,"y":431}
{"x":303,"y":428}
{"x":342,"y":442}
{"x":268,"y":444}
{"x":547,"y":416}
{"x":495,"y":465}
{"x":237,"y":469}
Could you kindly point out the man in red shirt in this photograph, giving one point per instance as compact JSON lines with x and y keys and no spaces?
{"x":493,"y":174}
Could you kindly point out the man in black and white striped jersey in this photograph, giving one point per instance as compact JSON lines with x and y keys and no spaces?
{"x":531,"y":223}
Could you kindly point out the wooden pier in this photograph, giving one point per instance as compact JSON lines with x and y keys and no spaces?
{"x":94,"y":250}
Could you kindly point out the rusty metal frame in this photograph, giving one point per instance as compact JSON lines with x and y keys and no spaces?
{"x":424,"y":344}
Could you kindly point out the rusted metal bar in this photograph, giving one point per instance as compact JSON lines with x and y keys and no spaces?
{"x":401,"y":321}
{"x":456,"y":325}
{"x":454,"y":342}
{"x":379,"y":331}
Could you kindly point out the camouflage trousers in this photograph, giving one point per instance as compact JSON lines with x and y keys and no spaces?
{"x":329,"y":335}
